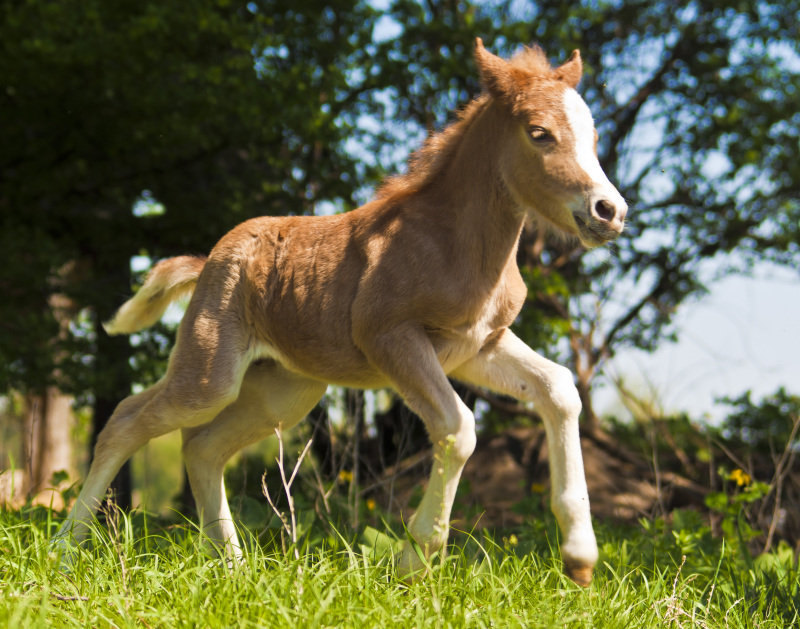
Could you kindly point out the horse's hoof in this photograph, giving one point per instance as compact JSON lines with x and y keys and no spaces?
{"x":579,"y":573}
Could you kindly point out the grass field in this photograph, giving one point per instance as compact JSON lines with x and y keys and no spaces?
{"x":145,"y":572}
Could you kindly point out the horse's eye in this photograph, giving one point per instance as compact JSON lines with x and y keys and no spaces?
{"x":540,"y":134}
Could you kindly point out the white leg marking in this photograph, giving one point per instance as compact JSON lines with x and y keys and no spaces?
{"x":205,"y":465}
{"x":512,"y":368}
{"x":418,"y":377}
{"x":430,"y":524}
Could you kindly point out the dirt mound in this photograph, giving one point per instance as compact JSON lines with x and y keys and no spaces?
{"x":512,"y":467}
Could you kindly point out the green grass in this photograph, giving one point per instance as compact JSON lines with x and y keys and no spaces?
{"x":144,"y":572}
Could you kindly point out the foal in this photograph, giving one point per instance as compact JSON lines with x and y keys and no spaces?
{"x":415,"y":286}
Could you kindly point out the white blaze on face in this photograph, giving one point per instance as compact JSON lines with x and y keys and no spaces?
{"x":580,"y":121}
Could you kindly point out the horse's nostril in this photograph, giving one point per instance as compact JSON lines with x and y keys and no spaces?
{"x":605,"y":211}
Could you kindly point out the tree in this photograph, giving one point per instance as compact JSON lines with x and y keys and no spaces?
{"x":203,"y":115}
{"x":696,"y":112}
{"x":208,"y":113}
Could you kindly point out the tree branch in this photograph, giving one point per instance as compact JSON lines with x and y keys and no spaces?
{"x":658,"y":289}
{"x":625,"y":118}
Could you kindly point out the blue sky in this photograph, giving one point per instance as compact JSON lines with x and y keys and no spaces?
{"x":745,"y":334}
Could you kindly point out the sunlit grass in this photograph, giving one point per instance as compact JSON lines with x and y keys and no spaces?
{"x":141,"y":572}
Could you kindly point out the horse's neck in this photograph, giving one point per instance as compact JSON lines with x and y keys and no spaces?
{"x":484,"y":220}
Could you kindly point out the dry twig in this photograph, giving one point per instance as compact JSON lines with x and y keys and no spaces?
{"x":782,"y":468}
{"x":290,"y":526}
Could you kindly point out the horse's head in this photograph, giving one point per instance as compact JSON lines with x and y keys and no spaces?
{"x":549,"y":161}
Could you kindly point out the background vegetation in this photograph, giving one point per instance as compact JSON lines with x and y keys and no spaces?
{"x":134,"y":131}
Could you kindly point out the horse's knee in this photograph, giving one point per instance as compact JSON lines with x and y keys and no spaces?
{"x":562,"y":394}
{"x":457,"y":441}
{"x":464,"y":440}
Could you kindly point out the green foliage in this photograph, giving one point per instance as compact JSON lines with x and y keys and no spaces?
{"x":765,"y":426}
{"x":218,"y":112}
{"x":697,"y":121}
{"x":542,"y":323}
{"x":743,"y":470}
{"x":225,"y":110}
{"x":222,"y":110}
{"x":733,"y":507}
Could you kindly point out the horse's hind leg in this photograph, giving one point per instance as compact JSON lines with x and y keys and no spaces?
{"x":200,"y":382}
{"x":105,"y":465}
{"x":270,"y":397}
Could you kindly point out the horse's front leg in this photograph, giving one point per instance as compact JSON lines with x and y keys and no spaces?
{"x":510,"y":367}
{"x":406,"y":357}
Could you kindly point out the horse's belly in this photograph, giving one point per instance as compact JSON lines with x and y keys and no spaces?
{"x":342,"y":365}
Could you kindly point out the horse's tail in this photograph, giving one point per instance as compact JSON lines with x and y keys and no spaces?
{"x":167,"y":281}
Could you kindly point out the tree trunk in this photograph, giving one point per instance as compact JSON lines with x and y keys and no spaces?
{"x":591,"y":422}
{"x":354,"y":407}
{"x":49,"y":421}
{"x":48,"y":443}
{"x":585,"y":365}
{"x":322,"y":441}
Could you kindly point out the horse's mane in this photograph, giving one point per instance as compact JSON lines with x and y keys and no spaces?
{"x":427,"y":163}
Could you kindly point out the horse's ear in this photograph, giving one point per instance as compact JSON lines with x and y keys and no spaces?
{"x":572,"y":69}
{"x":496,"y":73}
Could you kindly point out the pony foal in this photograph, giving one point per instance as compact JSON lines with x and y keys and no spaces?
{"x":415,"y":286}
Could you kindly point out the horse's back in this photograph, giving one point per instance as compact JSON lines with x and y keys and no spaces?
{"x":291,"y":281}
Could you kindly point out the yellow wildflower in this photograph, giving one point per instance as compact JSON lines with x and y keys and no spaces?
{"x":345,"y":476}
{"x":370,"y":504}
{"x":740,"y":477}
